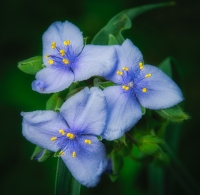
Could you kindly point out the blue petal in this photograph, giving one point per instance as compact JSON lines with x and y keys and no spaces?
{"x":124,"y":112}
{"x":95,"y":60}
{"x":59,"y":32}
{"x":90,"y":161}
{"x":40,"y":126}
{"x":162,"y":91}
{"x":86,"y":111}
{"x":128,"y":56}
{"x":50,"y":80}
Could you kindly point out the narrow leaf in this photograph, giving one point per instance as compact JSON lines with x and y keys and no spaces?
{"x":121,"y":22}
{"x":41,"y":154}
{"x":65,"y":183}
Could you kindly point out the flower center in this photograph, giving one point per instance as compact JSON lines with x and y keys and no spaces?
{"x":71,"y":147}
{"x":129,"y":81}
{"x":61,"y":54}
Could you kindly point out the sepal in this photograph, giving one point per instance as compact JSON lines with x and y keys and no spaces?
{"x":173,"y":114}
{"x":54,"y":102}
{"x":31,"y":65}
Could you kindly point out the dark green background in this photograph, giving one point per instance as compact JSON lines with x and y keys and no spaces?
{"x":171,"y":31}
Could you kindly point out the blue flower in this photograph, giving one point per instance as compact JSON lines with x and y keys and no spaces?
{"x":68,"y":60}
{"x":72,"y":132}
{"x":137,"y":85}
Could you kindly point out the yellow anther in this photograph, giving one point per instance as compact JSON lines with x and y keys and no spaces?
{"x":119,"y":72}
{"x":50,"y":62}
{"x":62,"y":132}
{"x":62,"y":52}
{"x":70,"y":135}
{"x":141,"y":65}
{"x":87,"y":141}
{"x":125,"y":87}
{"x":53,"y":138}
{"x":73,"y":154}
{"x":148,"y":75}
{"x":125,"y":68}
{"x":61,"y":153}
{"x":53,"y":45}
{"x":144,"y":90}
{"x":47,"y":56}
{"x":66,"y":42}
{"x":65,"y":61}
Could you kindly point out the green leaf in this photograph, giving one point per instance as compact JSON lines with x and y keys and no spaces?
{"x":54,"y":102}
{"x":41,"y":154}
{"x":174,"y":114}
{"x":165,"y":66}
{"x":66,"y":184}
{"x":98,"y":83}
{"x":121,"y":22}
{"x":31,"y":65}
{"x":148,"y":144}
{"x":112,"y":40}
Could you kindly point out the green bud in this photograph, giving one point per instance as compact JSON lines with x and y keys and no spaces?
{"x":174,"y":114}
{"x":54,"y":102}
{"x":31,"y":65}
{"x":41,"y":154}
{"x":116,"y":165}
{"x":149,"y":144}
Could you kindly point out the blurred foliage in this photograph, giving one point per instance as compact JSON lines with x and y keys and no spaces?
{"x":172,"y":31}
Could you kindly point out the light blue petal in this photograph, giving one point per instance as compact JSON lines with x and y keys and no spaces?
{"x":90,"y":161}
{"x":50,"y":80}
{"x":59,"y":32}
{"x":124,"y":112}
{"x":128,"y":56}
{"x":162,"y":91}
{"x":95,"y":60}
{"x":86,"y":111}
{"x":40,"y":126}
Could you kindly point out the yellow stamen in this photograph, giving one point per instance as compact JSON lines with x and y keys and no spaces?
{"x":47,"y":56}
{"x":87,"y":141}
{"x":66,"y":42}
{"x":141,"y":65}
{"x":144,"y":90}
{"x":125,"y":87}
{"x":62,"y":52}
{"x":148,"y":75}
{"x":53,"y":45}
{"x":62,"y":132}
{"x":61,"y":153}
{"x":73,"y":154}
{"x":119,"y":72}
{"x":65,"y":61}
{"x":53,"y":138}
{"x":70,"y":135}
{"x":50,"y":62}
{"x":125,"y":68}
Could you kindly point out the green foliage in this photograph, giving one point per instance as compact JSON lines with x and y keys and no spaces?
{"x":149,"y":144}
{"x":174,"y":114}
{"x":121,"y":22}
{"x":31,"y":65}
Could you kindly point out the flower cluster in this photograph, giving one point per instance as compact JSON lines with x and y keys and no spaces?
{"x":74,"y":131}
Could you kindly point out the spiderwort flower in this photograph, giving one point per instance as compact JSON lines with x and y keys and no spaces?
{"x":68,"y":60}
{"x":72,"y":132}
{"x":137,"y":85}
